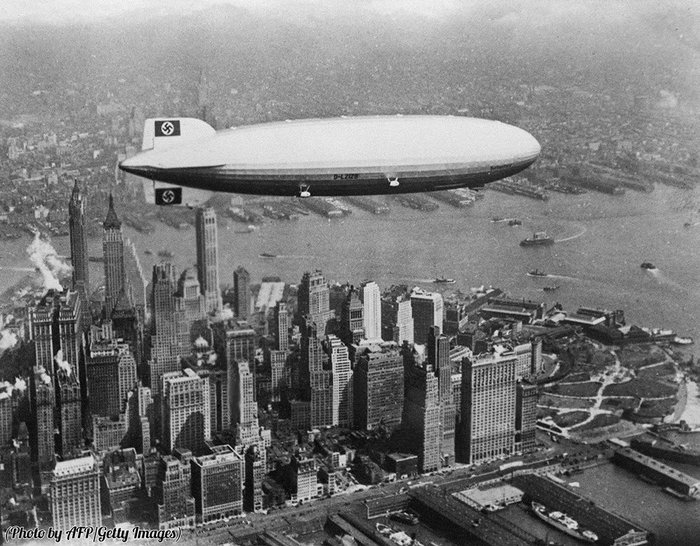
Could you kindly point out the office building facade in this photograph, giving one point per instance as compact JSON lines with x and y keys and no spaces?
{"x":207,"y":257}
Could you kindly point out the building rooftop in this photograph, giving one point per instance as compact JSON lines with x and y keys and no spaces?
{"x":74,"y":467}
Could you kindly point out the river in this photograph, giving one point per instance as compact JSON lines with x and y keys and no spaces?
{"x":602,"y":241}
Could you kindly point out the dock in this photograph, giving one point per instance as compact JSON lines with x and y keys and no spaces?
{"x":611,"y":529}
{"x":367,"y":204}
{"x":658,"y":472}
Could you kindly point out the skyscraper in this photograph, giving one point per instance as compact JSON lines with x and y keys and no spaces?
{"x":487,"y":418}
{"x":185,"y":411}
{"x":372,"y":303}
{"x":244,"y":409}
{"x":135,"y":280}
{"x":79,"y":251}
{"x":282,"y":326}
{"x":113,"y":248}
{"x":217,"y":484}
{"x":525,"y":416}
{"x":171,"y":336}
{"x":427,"y":310}
{"x":241,"y":293}
{"x":103,"y":378}
{"x":378,"y":388}
{"x":127,"y":324}
{"x":69,"y":413}
{"x":352,"y":324}
{"x":193,"y":301}
{"x":172,"y":491}
{"x":438,"y":354}
{"x":342,"y":398}
{"x":207,"y":257}
{"x":56,"y":321}
{"x":43,"y":402}
{"x":421,"y":416}
{"x":278,"y":360}
{"x":75,"y":494}
{"x":314,"y":301}
{"x":397,"y":318}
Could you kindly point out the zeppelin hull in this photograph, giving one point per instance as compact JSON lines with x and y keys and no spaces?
{"x":222,"y":179}
{"x":337,"y":156}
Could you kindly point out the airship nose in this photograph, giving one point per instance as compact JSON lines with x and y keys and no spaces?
{"x":524,"y":144}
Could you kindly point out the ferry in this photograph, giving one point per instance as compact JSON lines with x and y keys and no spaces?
{"x":564,"y":523}
{"x":539,"y":238}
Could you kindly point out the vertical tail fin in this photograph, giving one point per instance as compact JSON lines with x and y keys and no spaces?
{"x":163,"y":133}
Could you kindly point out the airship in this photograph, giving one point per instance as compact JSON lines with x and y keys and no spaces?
{"x":362,"y":155}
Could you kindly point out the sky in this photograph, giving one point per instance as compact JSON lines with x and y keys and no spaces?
{"x":536,"y":12}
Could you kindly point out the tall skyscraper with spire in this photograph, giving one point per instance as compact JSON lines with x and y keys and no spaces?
{"x":207,"y":257}
{"x":78,"y":240}
{"x":113,"y":248}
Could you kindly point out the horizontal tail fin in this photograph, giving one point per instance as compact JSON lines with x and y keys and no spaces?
{"x":163,"y":133}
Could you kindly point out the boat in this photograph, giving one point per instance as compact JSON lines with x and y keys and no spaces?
{"x":443,"y":280}
{"x":564,"y":523}
{"x":550,"y":288}
{"x":267,"y":255}
{"x":647,"y":265}
{"x":250,"y":229}
{"x":148,"y":252}
{"x":682,"y":340}
{"x":539,"y":238}
{"x":515,"y":222}
{"x":536,"y":273}
{"x":165,"y":254}
{"x":383,"y":529}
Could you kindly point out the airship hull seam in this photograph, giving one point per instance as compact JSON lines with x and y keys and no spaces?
{"x":337,"y":184}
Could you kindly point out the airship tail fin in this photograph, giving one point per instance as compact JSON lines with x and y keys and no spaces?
{"x":163,"y":133}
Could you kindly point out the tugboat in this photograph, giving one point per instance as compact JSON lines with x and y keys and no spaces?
{"x":267,"y":255}
{"x":536,"y":273}
{"x":539,"y":238}
{"x":515,"y":222}
{"x":550,"y":288}
{"x":443,"y":280}
{"x":647,"y":265}
{"x":564,"y":523}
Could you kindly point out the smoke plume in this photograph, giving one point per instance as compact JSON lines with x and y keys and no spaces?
{"x":8,"y":339}
{"x":46,"y":260}
{"x":63,"y":364}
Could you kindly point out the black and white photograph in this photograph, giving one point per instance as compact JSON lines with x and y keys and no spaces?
{"x":360,"y":273}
